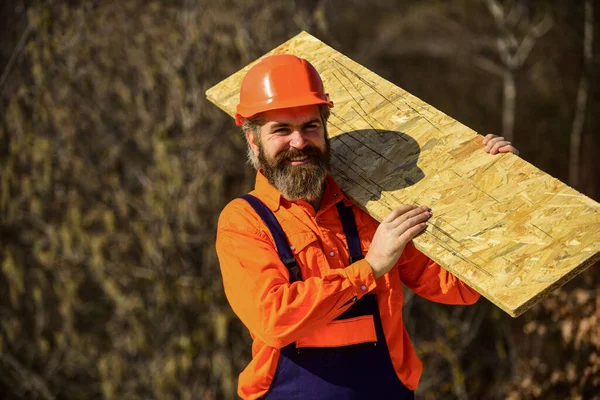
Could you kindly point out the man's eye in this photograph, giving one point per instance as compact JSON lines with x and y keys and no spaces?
{"x":311,"y":127}
{"x":281,"y":131}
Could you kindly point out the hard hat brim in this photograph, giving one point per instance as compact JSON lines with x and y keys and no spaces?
{"x":250,"y":110}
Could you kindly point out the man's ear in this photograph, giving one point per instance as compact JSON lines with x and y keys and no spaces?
{"x":252,"y":141}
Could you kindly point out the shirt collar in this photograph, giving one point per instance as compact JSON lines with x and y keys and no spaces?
{"x":272,"y":198}
{"x":267,"y":192}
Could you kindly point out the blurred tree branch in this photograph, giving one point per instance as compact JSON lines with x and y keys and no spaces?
{"x":28,"y":381}
{"x":513,"y":54}
{"x":14,"y":56}
{"x":582,"y":94}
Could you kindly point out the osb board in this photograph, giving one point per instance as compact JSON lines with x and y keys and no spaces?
{"x":506,"y":228}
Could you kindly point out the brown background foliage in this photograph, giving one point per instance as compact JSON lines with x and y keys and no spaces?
{"x":114,"y":168}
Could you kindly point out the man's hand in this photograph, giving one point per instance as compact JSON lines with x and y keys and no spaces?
{"x":392,"y":235}
{"x":496,"y":144}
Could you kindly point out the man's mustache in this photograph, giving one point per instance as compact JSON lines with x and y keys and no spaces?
{"x":290,"y":152}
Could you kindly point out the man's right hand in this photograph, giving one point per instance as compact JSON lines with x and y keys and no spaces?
{"x":392,"y":235}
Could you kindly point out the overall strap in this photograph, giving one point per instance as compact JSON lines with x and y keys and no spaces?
{"x":349,"y":225}
{"x":283,"y":247}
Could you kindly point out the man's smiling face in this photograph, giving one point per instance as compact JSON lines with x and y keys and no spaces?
{"x":293,"y":151}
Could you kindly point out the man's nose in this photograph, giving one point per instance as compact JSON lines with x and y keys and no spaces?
{"x":297,"y":140}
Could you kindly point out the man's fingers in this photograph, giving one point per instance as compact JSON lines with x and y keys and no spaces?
{"x":497,"y":145}
{"x":411,"y":221}
{"x":397,"y":212}
{"x":410,"y":233}
{"x":488,"y":137}
{"x":492,"y":142}
{"x":508,"y":149}
{"x":409,"y":214}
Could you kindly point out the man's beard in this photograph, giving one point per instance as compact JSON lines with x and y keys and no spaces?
{"x":298,"y":182}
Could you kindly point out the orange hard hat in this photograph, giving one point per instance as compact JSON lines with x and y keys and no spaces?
{"x":279,"y":81}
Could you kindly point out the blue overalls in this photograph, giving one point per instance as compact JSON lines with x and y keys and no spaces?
{"x":354,"y":372}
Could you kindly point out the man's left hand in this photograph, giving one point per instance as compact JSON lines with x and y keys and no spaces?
{"x":496,"y":144}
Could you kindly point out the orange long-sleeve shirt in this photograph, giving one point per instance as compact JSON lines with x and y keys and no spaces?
{"x":278,"y":313}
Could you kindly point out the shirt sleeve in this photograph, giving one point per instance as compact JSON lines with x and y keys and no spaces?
{"x":429,"y":280}
{"x":257,"y":285}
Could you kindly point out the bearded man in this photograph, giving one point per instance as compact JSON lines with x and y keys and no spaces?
{"x":316,"y":280}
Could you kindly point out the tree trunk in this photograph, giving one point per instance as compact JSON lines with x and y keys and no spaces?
{"x":509,"y":104}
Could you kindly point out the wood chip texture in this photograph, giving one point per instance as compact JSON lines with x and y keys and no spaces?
{"x":506,"y":228}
